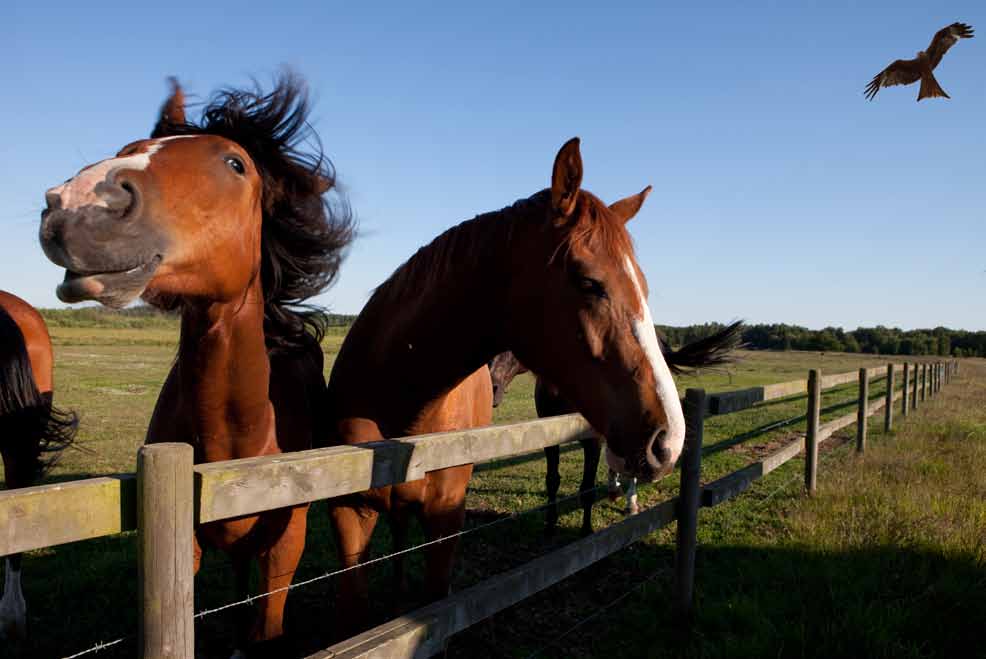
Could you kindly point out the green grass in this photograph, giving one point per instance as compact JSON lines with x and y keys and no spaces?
{"x":754,"y":549}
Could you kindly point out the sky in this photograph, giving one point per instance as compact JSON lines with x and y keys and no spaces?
{"x":780,"y":193}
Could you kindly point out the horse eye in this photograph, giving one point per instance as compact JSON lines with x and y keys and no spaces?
{"x":591,"y":286}
{"x":235,"y":164}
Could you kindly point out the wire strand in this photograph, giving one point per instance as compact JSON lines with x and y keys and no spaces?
{"x":379,"y":559}
{"x":99,"y":647}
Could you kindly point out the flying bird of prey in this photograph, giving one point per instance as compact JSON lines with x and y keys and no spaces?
{"x":907,"y":71}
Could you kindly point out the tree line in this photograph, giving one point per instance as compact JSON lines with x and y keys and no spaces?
{"x":878,"y":340}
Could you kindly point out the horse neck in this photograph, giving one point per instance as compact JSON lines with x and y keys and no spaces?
{"x":403,"y":354}
{"x":224,"y":373}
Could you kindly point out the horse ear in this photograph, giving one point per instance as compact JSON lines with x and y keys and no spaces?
{"x":625,"y":209}
{"x":172,"y":112}
{"x":566,"y":177}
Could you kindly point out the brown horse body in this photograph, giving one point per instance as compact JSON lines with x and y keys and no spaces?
{"x":225,"y":221}
{"x":552,"y":277}
{"x":30,"y":427}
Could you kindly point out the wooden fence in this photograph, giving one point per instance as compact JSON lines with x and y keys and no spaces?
{"x":169,"y":495}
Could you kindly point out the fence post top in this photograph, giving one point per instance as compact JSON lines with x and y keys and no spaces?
{"x":178,"y":449}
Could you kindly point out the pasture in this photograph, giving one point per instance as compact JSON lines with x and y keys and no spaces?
{"x":909,"y":506}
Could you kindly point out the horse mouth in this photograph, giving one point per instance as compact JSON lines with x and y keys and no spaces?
{"x":114,"y":288}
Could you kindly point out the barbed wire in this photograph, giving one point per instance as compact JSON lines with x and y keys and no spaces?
{"x":99,"y":647}
{"x":379,"y":559}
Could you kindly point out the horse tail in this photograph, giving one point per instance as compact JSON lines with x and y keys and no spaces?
{"x":713,"y":350}
{"x":32,"y":431}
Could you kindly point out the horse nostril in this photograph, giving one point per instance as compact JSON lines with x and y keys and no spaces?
{"x":661,"y":452}
{"x":119,"y":195}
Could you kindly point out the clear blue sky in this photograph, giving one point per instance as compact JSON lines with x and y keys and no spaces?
{"x":780,"y":194}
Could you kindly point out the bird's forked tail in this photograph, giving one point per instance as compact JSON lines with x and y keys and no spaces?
{"x":930,"y":87}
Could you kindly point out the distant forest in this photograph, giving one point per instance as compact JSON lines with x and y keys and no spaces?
{"x":873,"y":340}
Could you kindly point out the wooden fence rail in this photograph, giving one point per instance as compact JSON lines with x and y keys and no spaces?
{"x":168,"y":496}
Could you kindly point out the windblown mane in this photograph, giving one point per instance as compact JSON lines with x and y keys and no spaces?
{"x":304,"y":237}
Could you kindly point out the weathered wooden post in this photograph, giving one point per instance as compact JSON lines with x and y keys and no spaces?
{"x":888,"y":413}
{"x":165,"y":524}
{"x":863,"y":414}
{"x":924,"y":382}
{"x":914,"y":389}
{"x":811,"y":436}
{"x":688,"y":500}
{"x":903,"y":392}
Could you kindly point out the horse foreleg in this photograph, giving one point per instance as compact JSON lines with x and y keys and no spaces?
{"x":613,"y":485}
{"x":631,"y":493}
{"x":13,"y":608}
{"x":353,"y":530}
{"x":552,"y":481}
{"x":591,"y":450}
{"x":443,"y":514}
{"x":277,"y":567}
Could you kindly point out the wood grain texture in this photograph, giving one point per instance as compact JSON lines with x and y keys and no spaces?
{"x":251,"y":485}
{"x":165,"y":507}
{"x":49,"y":515}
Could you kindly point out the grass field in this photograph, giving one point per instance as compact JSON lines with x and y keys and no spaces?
{"x":890,"y":539}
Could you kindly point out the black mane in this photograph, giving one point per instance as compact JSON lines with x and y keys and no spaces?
{"x":304,"y":237}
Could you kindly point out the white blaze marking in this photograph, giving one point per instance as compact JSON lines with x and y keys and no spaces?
{"x":79,"y":191}
{"x":13,"y":608}
{"x":643,"y":329}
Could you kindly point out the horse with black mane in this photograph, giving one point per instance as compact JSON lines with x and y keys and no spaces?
{"x":225,"y":220}
{"x":553,"y":278}
{"x":33,"y":432}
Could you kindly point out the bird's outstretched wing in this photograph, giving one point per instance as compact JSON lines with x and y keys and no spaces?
{"x":945,"y":38}
{"x":901,"y":72}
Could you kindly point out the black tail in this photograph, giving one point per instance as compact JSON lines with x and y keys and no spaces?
{"x":32,"y":431}
{"x":713,"y":350}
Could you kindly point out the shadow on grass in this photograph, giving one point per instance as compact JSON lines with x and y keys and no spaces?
{"x":755,"y":602}
{"x":750,"y":602}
